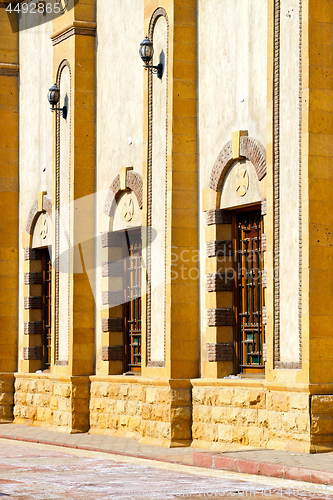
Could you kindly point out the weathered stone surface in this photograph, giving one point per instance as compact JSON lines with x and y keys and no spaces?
{"x":322,"y":404}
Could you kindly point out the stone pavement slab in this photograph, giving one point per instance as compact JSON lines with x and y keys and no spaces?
{"x":317,"y":468}
{"x":30,"y":471}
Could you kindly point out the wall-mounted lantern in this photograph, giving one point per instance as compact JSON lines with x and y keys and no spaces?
{"x":53,"y":97}
{"x":146,"y":53}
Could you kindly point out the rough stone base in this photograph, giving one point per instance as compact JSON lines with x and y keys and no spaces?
{"x":61,"y":403}
{"x":6,"y":397}
{"x":156,"y":412}
{"x":248,"y":414}
{"x":321,"y":423}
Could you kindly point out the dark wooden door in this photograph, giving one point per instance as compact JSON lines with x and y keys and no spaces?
{"x":249,"y":294}
{"x":132,"y":308}
{"x":46,"y":307}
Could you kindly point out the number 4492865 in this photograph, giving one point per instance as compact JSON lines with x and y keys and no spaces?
{"x":35,"y":8}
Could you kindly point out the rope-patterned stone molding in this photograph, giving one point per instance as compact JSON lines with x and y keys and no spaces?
{"x":113,"y":353}
{"x":33,"y":278}
{"x":220,"y":283}
{"x":250,"y":148}
{"x":32,"y":353}
{"x":220,"y":317}
{"x":220,"y":352}
{"x":112,"y":324}
{"x":33,"y":328}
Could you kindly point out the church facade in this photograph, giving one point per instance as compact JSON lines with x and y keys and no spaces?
{"x":166,"y":237}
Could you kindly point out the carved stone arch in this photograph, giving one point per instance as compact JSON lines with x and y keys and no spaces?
{"x":35,"y":213}
{"x":133,"y":182}
{"x":249,"y":148}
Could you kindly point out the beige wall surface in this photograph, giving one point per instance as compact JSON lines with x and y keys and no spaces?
{"x":158,"y":209}
{"x":119,"y":108}
{"x":232,"y":75}
{"x":65,"y":218}
{"x":289,"y":182}
{"x":36,"y":125}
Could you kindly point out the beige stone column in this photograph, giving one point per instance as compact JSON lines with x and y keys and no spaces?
{"x":9,"y":71}
{"x":181,"y":313}
{"x":73,"y":42}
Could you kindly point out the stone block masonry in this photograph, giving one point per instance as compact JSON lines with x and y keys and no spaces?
{"x":61,"y":403}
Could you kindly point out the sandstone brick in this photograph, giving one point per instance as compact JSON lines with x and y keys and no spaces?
{"x":151,"y":395}
{"x":300,"y":402}
{"x":181,"y":413}
{"x":198,"y":431}
{"x":160,"y":413}
{"x":7,"y":387}
{"x":211,"y":397}
{"x":303,"y":423}
{"x":278,"y":401}
{"x":181,"y":430}
{"x":240,"y":435}
{"x":64,"y":404}
{"x":225,"y":433}
{"x":211,"y":432}
{"x":6,"y":399}
{"x":219,"y":414}
{"x":288,"y":421}
{"x":80,"y":391}
{"x":62,"y":390}
{"x":257,"y":398}
{"x":257,"y":436}
{"x":181,"y":396}
{"x":274,"y":420}
{"x":262,"y":418}
{"x":163,"y":396}
{"x":136,"y":392}
{"x":225,"y":397}
{"x":53,"y":402}
{"x":322,"y":404}
{"x":322,"y":424}
{"x":6,"y":412}
{"x":199,"y":395}
{"x":241,"y":398}
{"x":32,"y":412}
{"x":146,"y":411}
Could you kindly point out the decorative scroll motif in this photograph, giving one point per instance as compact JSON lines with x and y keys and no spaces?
{"x":243,"y":182}
{"x":160,"y":12}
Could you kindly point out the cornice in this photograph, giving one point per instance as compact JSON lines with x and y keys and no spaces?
{"x":73,"y":28}
{"x":9,"y":69}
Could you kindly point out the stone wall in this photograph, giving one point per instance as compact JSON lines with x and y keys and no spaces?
{"x":321,"y":423}
{"x":61,"y":403}
{"x":6,"y":397}
{"x":251,"y":416}
{"x":158,"y":413}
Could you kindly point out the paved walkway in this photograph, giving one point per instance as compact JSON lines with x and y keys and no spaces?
{"x":317,"y":468}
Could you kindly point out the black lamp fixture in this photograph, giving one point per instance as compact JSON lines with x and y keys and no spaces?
{"x":146,"y":53}
{"x":53,"y":97}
